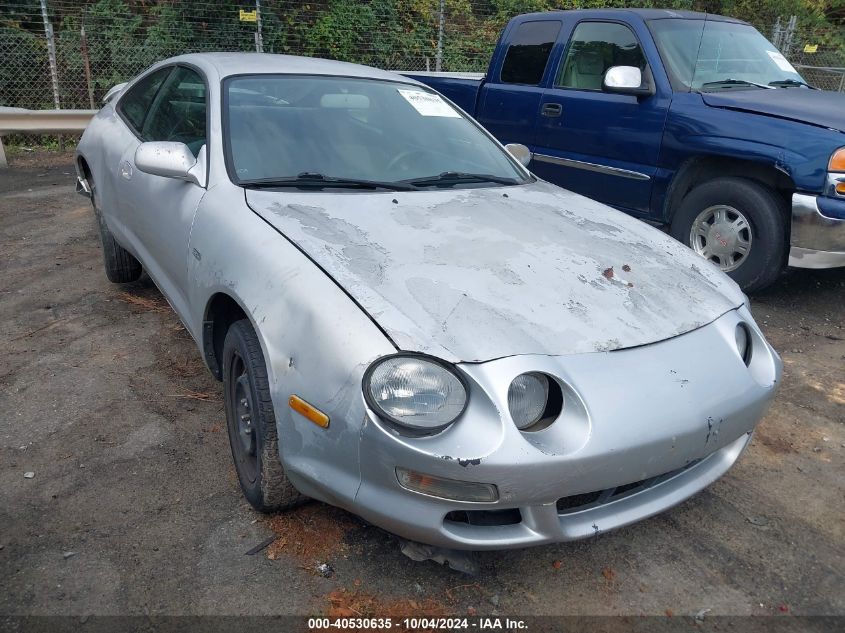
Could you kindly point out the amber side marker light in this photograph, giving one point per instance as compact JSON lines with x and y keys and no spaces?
{"x":840,"y":188}
{"x":837,"y":161}
{"x":308,"y":411}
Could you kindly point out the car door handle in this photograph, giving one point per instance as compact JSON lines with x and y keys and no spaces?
{"x":552,"y":109}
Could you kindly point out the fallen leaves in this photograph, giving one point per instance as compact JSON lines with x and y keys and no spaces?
{"x":311,"y":533}
{"x":357,"y":603}
{"x":146,"y":304}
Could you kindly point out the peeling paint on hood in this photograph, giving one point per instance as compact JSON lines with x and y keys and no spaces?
{"x":476,"y":274}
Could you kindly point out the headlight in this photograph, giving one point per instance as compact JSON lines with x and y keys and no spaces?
{"x":527,"y":398}
{"x":417,"y":392}
{"x":743,"y":342}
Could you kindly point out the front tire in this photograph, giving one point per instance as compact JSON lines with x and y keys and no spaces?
{"x":121,"y":266}
{"x":251,"y":422}
{"x":739,"y":225}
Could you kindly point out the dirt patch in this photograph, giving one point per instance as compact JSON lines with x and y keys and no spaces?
{"x":312,"y":534}
{"x":357,"y":603}
{"x":152,"y":303}
{"x":776,"y":443}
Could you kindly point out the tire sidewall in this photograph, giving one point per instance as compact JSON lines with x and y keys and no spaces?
{"x":765,"y":214}
{"x":235,"y":340}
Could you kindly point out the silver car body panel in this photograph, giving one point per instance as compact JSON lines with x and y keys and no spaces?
{"x":475,"y":274}
{"x":328,"y":291}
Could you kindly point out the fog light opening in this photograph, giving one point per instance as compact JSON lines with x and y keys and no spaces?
{"x":552,"y":410}
{"x":446,"y":488}
{"x":743,"y":343}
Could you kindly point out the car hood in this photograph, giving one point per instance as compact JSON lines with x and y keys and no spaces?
{"x":477,"y":274}
{"x":816,"y":107}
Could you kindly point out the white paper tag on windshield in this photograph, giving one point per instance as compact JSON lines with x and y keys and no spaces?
{"x":428,"y":104}
{"x":781,"y":62}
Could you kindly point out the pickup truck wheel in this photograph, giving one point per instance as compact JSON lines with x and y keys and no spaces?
{"x":738,"y":225}
{"x":251,"y":422}
{"x":121,"y":266}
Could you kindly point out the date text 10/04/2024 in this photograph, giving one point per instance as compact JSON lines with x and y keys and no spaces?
{"x":419,"y":623}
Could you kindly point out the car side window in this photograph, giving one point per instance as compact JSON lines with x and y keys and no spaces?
{"x":179,"y":111}
{"x":594,"y":48}
{"x":137,"y":101}
{"x":527,"y":56}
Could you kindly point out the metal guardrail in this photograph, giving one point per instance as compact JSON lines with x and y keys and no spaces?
{"x":40,"y":121}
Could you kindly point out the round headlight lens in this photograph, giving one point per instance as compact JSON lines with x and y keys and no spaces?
{"x":743,"y":343}
{"x":527,"y":398}
{"x":418,"y":393}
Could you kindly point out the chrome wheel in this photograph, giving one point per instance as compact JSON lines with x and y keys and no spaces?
{"x":723,"y":235}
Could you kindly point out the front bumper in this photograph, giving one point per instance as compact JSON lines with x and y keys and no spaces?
{"x":817,"y":238}
{"x":643,"y":430}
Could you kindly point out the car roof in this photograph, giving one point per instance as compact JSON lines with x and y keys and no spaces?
{"x":645,"y":14}
{"x":228,"y":64}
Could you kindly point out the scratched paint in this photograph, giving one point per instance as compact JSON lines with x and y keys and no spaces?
{"x":470,"y":275}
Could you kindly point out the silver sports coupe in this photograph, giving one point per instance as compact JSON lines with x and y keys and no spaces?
{"x":406,"y":322}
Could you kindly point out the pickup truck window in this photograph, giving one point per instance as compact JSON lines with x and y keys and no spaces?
{"x":318,"y":131}
{"x":713,"y":55}
{"x":527,"y":56}
{"x":594,"y":48}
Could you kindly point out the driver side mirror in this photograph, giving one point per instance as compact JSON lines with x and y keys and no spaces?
{"x":520,"y":153}
{"x":171,"y":159}
{"x":627,"y":80}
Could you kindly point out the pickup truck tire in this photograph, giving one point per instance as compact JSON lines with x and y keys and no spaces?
{"x":121,"y":266}
{"x":251,"y":422}
{"x":753,"y":220}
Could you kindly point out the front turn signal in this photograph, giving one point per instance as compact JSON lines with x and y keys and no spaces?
{"x":308,"y":411}
{"x":837,"y":161}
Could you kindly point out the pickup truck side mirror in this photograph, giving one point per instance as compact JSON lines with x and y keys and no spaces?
{"x":171,"y":160}
{"x":627,"y":80}
{"x":520,"y":153}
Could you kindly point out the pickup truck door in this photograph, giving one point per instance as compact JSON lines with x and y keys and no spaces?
{"x":510,"y":98}
{"x":599,"y":144}
{"x":157,"y":212}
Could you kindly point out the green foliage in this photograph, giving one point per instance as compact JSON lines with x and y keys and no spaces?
{"x":126,"y":36}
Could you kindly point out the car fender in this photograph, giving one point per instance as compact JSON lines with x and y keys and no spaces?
{"x":316,"y":341}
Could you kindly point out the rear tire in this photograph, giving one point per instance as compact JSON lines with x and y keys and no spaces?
{"x":726,"y":216}
{"x":121,"y":266}
{"x":251,"y":422}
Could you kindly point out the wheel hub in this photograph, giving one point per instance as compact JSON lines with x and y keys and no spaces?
{"x":721,"y":234}
{"x":243,"y":415}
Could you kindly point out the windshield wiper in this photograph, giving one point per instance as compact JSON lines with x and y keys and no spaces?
{"x":308,"y":179}
{"x":791,"y":82}
{"x":450,"y":178}
{"x":736,"y":82}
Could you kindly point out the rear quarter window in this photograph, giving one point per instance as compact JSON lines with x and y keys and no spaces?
{"x":136,"y":103}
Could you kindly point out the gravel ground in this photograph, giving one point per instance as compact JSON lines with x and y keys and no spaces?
{"x":134,"y":507}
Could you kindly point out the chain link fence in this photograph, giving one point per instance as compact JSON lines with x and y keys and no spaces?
{"x":96,"y":44}
{"x":101,"y":43}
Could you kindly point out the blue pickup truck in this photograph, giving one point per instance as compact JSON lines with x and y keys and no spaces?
{"x":684,"y":119}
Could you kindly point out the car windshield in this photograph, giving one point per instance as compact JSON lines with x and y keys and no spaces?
{"x":709,"y":55}
{"x":311,"y":131}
